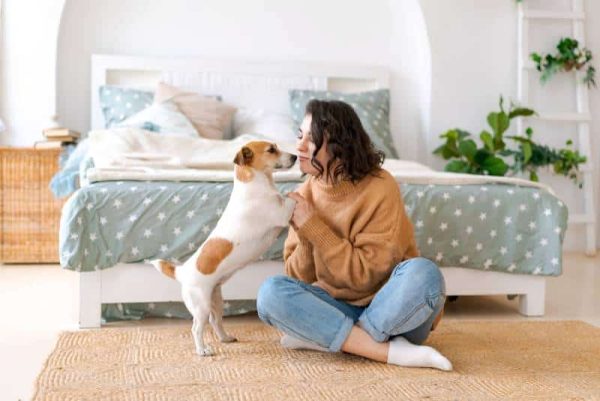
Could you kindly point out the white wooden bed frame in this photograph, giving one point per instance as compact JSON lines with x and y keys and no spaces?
{"x":138,"y":282}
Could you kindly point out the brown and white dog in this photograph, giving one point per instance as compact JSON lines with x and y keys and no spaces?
{"x":255,"y":215}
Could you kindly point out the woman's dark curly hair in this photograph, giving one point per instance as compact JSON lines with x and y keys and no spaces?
{"x":347,"y":141}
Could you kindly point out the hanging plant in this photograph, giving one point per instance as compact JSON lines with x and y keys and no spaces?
{"x":569,"y":56}
{"x":529,"y":156}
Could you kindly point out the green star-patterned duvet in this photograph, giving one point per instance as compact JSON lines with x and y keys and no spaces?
{"x":499,"y":227}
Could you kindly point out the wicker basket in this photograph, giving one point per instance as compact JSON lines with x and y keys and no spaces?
{"x":29,"y":213}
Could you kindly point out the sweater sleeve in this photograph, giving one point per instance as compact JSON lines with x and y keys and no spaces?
{"x":298,"y":258}
{"x":365,"y":262}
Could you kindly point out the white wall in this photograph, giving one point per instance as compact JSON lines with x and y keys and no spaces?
{"x":473,"y":52}
{"x":472,"y":57}
{"x":214,"y":29}
{"x":473,"y":62}
{"x":312,"y":30}
{"x":593,"y":43}
{"x":27,"y":67}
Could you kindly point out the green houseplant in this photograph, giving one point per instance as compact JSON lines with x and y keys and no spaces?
{"x":569,"y":57}
{"x":489,"y":159}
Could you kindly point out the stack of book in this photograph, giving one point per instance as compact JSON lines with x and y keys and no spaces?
{"x":56,"y":137}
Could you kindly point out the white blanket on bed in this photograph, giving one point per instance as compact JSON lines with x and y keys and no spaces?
{"x":140,"y":150}
{"x":135,"y":154}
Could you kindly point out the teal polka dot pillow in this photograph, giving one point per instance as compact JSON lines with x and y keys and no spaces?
{"x":119,"y":103}
{"x":373,"y":109}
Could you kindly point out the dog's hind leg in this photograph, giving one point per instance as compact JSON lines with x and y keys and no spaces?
{"x":200,"y":320}
{"x":200,"y":310}
{"x":216,"y":316}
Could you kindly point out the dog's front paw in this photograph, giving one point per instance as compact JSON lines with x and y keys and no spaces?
{"x":206,"y":351}
{"x":289,"y":205}
{"x":228,"y":339}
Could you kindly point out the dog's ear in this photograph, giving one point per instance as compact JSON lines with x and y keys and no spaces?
{"x":244,"y":156}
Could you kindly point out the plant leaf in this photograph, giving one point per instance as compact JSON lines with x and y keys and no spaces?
{"x":499,"y":123}
{"x":521,"y":112}
{"x":449,"y":149}
{"x":450,"y":134}
{"x":495,"y":166}
{"x":526,"y":151}
{"x":487,"y":140}
{"x":462,"y":134}
{"x":468,"y":148}
{"x":529,"y":132}
{"x":457,"y":166}
{"x":499,"y":143}
{"x":481,"y":155}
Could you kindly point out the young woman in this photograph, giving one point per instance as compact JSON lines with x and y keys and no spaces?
{"x":355,"y":281}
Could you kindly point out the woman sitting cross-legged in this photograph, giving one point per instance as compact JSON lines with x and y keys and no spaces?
{"x":355,"y":281}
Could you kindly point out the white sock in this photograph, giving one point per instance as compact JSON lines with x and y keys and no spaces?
{"x":404,"y":353}
{"x":288,"y":341}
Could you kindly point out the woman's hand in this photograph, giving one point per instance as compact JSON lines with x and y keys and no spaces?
{"x":303,"y":210}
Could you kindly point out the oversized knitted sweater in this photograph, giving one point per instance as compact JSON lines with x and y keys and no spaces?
{"x":353,"y":240}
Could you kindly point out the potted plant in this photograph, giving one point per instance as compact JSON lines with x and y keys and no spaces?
{"x":569,"y":57}
{"x":528,"y":157}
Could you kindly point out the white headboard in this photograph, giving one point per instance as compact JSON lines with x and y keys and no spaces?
{"x":257,"y":85}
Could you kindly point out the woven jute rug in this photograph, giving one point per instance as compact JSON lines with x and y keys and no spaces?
{"x":492,"y":360}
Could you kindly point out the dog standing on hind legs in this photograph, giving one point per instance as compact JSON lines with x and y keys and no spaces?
{"x":255,"y":215}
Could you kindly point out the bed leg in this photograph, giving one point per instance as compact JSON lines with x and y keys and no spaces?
{"x":90,"y":301}
{"x":532,"y":302}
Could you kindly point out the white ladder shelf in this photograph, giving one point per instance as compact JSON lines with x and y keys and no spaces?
{"x":581,"y":117}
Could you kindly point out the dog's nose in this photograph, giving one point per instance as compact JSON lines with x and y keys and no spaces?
{"x":294,"y":158}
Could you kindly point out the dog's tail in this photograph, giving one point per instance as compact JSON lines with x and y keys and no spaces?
{"x":165,"y":267}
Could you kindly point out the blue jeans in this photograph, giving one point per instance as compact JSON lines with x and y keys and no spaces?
{"x":405,"y":306}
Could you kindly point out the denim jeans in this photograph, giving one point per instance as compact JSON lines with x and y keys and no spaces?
{"x":405,"y":306}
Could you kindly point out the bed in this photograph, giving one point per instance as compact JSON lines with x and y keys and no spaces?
{"x":490,"y":236}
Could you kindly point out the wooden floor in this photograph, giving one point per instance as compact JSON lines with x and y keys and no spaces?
{"x":37,"y":302}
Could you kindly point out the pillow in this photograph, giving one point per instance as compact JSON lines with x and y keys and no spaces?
{"x":272,"y":126}
{"x":210,"y":117}
{"x":163,"y":118}
{"x":118,"y":103}
{"x":373,"y":109}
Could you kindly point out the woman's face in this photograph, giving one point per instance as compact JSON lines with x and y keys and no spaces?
{"x":306,"y":148}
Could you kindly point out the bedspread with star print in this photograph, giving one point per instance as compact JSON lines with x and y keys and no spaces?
{"x":497,"y":227}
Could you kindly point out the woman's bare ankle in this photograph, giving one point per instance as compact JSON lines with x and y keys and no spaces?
{"x":360,"y":343}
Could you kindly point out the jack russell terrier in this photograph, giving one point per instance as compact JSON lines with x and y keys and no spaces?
{"x":255,"y":215}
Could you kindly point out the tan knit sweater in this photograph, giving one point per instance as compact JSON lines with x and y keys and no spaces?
{"x":356,"y":236}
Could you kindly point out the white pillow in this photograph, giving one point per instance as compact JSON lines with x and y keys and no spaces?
{"x":163,"y":118}
{"x":274,"y":126}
